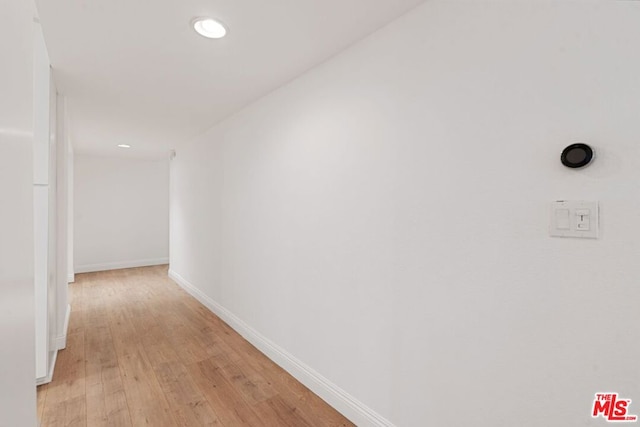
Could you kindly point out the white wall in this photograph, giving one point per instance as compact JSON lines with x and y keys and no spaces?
{"x":121,"y":212}
{"x":17,"y":324}
{"x":383,"y":218}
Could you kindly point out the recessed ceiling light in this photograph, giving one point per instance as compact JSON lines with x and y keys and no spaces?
{"x":209,"y":28}
{"x":124,"y":146}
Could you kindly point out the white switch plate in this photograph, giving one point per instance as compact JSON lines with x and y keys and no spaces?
{"x":574,"y":219}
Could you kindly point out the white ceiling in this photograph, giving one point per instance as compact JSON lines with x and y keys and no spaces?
{"x":135,"y":72}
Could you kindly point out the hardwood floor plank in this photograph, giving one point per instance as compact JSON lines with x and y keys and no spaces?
{"x":189,"y":405}
{"x":71,"y":412}
{"x":117,"y":409}
{"x":142,"y":352}
{"x":232,"y":408}
{"x":69,"y":376}
{"x":42,"y":398}
{"x":280,"y":413}
{"x":318,"y":413}
{"x":253,"y":386}
{"x":147,"y":403}
{"x":105,"y":391}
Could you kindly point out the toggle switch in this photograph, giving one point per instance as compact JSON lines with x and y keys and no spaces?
{"x":582,"y":219}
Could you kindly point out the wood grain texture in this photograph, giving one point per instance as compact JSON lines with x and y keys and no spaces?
{"x":142,"y":352}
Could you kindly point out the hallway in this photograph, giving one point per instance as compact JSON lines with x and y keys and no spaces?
{"x":141,"y":351}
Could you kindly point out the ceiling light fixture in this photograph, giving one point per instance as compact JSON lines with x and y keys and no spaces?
{"x":209,"y":28}
{"x":124,"y":146}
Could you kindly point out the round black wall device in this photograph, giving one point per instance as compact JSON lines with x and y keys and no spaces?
{"x":576,"y":155}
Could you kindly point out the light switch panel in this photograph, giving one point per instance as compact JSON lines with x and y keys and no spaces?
{"x":574,"y":219}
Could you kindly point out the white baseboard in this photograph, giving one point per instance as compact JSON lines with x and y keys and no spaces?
{"x":52,"y":366}
{"x":89,"y":268}
{"x":343,"y":402}
{"x":71,"y":278}
{"x":59,"y":344}
{"x":61,"y":340}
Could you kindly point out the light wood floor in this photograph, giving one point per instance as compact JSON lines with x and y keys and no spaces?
{"x":141,"y":351}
